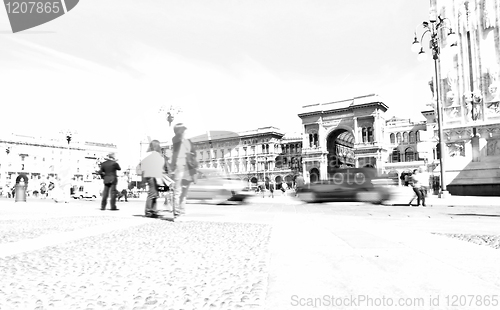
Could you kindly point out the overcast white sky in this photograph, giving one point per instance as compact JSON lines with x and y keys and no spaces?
{"x":106,"y":67}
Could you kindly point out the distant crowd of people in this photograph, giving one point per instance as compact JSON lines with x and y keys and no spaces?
{"x":268,"y":187}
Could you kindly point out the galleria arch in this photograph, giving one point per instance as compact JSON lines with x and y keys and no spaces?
{"x":346,"y":133}
{"x":340,"y":147}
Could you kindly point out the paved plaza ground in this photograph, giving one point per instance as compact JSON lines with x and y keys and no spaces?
{"x":267,"y":254}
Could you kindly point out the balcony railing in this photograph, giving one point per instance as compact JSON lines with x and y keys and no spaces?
{"x":310,"y":150}
{"x":368,"y":144}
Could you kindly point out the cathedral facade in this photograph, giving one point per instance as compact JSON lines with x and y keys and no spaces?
{"x":470,"y":96}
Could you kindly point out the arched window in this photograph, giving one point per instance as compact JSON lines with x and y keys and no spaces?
{"x":418,"y":136}
{"x":405,"y":137}
{"x":395,"y":156}
{"x":398,"y":138}
{"x":393,"y":138}
{"x":412,"y":137}
{"x":409,"y":154}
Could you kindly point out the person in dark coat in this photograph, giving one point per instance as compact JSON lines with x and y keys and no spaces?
{"x":110,"y":179}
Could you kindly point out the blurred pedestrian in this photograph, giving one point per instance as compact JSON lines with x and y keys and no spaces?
{"x":284,"y":188}
{"x":63,"y":190}
{"x":152,"y":168}
{"x":51,"y":187}
{"x":108,"y":174}
{"x":418,"y":185}
{"x":184,"y":165}
{"x":407,"y":179}
{"x":43,"y":190}
{"x":299,"y":182}
{"x":122,"y":189}
{"x":270,"y":187}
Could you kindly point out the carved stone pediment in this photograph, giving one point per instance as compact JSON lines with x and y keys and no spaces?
{"x":456,"y":149}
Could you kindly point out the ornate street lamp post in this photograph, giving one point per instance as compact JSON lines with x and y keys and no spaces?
{"x":435,"y":27}
{"x":170,"y":113}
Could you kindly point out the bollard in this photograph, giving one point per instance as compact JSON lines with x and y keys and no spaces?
{"x":20,"y":192}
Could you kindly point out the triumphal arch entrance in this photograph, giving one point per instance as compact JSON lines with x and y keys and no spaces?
{"x":342,"y":134}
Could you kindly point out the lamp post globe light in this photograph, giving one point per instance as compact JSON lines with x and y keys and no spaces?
{"x":170,"y":113}
{"x":434,"y":29}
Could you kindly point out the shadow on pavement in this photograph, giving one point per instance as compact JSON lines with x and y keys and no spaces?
{"x":476,"y":214}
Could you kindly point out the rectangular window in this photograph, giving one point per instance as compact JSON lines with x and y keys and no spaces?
{"x":370,"y":134}
{"x":395,"y":157}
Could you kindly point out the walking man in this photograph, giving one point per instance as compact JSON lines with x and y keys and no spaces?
{"x":419,"y":181}
{"x":184,"y":165}
{"x":110,"y":179}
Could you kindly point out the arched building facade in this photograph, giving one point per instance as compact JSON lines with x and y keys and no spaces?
{"x":347,"y":133}
{"x":254,"y":156}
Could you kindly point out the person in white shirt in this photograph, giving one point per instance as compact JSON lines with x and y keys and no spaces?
{"x":151,"y":168}
{"x":419,"y":182}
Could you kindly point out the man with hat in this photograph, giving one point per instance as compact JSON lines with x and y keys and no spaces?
{"x":184,"y":165}
{"x":108,"y":174}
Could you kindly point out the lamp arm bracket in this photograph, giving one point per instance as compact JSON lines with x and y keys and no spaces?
{"x":423,"y":34}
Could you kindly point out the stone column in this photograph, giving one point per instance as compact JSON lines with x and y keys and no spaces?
{"x":323,"y":168}
{"x":356,"y":135}
{"x":379,"y":162}
{"x":321,"y":136}
{"x":305,"y":138}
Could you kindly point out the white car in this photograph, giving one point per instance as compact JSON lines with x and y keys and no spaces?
{"x":90,"y":191}
{"x":217,"y":187}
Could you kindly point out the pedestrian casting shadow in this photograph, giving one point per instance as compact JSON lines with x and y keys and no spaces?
{"x":476,"y":214}
{"x":160,"y":217}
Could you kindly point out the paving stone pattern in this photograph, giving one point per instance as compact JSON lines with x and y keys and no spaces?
{"x":159,"y":265}
{"x":489,"y":240}
{"x":17,"y":230}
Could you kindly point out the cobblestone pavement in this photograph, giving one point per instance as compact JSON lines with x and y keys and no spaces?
{"x":251,"y":256}
{"x":489,"y":240}
{"x":16,"y":230}
{"x":152,"y":264}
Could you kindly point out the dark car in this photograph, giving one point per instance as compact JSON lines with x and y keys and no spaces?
{"x":349,"y":185}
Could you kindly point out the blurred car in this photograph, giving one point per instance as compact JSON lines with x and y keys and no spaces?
{"x":217,"y":187}
{"x":348,"y":185}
